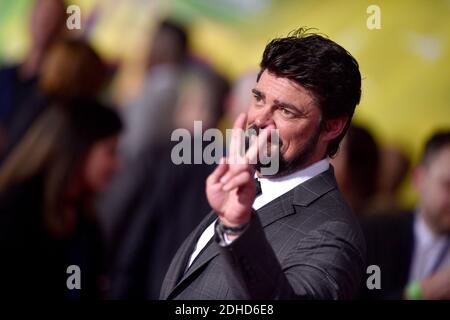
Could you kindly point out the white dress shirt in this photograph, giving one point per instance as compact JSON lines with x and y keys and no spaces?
{"x":427,"y":249}
{"x":271,"y":188}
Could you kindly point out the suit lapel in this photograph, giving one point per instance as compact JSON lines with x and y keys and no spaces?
{"x":182,"y":257}
{"x":210,"y":251}
{"x":314,"y":188}
{"x":302,"y":195}
{"x":277,"y":209}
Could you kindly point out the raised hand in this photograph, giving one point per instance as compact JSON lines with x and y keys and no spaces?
{"x":230,"y":189}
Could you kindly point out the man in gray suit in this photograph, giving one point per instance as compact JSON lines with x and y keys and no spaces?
{"x":291,"y":235}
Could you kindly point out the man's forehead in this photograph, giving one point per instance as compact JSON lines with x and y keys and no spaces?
{"x":282,"y":87}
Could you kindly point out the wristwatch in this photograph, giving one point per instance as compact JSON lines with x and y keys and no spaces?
{"x":222,"y":231}
{"x":230,"y":230}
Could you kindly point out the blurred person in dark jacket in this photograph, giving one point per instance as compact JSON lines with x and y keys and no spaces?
{"x":47,"y":188}
{"x":149,"y":117}
{"x":394,"y":168}
{"x":412,"y":249}
{"x":356,"y":168}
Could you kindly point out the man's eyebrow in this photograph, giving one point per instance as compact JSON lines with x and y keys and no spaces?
{"x":286,"y":105}
{"x":258,"y":93}
{"x":289,"y":106}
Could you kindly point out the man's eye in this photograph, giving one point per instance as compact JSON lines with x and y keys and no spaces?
{"x":286,"y":112}
{"x":257,"y":97}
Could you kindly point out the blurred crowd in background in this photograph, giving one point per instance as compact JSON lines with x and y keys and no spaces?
{"x":86,"y":178}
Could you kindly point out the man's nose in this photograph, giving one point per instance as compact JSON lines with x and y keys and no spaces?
{"x":264,"y":118}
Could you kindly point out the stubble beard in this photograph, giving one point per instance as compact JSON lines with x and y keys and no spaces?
{"x":287,"y":167}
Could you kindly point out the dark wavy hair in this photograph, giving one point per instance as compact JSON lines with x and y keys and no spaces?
{"x":321,"y":66}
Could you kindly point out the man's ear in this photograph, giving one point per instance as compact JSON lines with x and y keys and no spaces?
{"x":333,"y":128}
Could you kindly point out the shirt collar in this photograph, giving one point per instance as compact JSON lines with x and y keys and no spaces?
{"x":272,"y":188}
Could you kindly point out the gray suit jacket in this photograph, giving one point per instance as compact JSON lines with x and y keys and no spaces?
{"x":306,"y":244}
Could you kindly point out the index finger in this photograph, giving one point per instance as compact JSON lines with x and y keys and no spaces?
{"x":237,"y":136}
